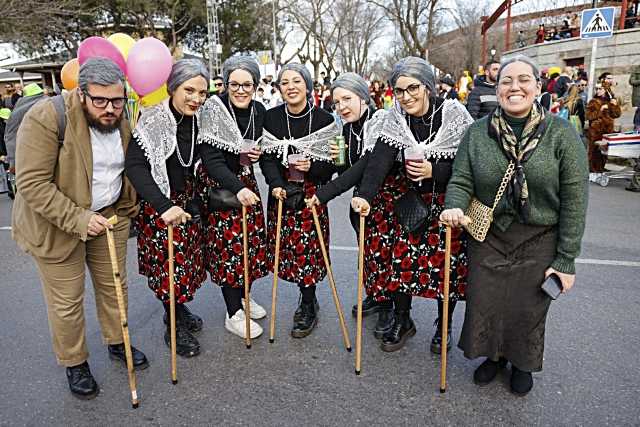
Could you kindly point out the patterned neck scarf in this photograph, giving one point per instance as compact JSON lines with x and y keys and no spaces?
{"x":519,"y":151}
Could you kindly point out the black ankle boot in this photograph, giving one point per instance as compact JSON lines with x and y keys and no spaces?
{"x":487,"y":371}
{"x":307,"y":319}
{"x":521,"y":381}
{"x":117,"y":352}
{"x":186,"y":344}
{"x":192,"y":321}
{"x":403,"y":328}
{"x":81,"y":382}
{"x":369,"y":306}
{"x":436,"y":341}
{"x":386,"y":317}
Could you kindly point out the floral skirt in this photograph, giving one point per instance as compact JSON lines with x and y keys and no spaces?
{"x":301,"y":258}
{"x":381,"y":232}
{"x":224,"y":257}
{"x":418,"y":258}
{"x":153,"y":254}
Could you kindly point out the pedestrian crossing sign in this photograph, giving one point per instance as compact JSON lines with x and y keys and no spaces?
{"x":597,"y":23}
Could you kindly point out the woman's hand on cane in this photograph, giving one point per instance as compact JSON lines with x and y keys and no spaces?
{"x":567,"y":279}
{"x":97,"y":224}
{"x":247,"y":197}
{"x":360,"y":205}
{"x":454,"y":217}
{"x":175,"y":215}
{"x":279,"y":193}
{"x":254,"y":154}
{"x":313,"y":201}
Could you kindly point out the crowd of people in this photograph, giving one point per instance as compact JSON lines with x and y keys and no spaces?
{"x":414,"y":167}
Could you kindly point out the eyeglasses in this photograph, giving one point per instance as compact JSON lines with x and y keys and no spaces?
{"x":235,"y":86}
{"x":102,"y":102}
{"x":412,"y":90}
{"x":523,"y":80}
{"x":341,"y":103}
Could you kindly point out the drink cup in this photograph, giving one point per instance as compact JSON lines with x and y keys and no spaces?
{"x":412,"y":156}
{"x":245,"y":149}
{"x":295,"y":175}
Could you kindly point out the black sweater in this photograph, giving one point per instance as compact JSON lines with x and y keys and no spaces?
{"x":382,"y":160}
{"x":276,"y":123}
{"x":224,"y":166}
{"x":138,"y":169}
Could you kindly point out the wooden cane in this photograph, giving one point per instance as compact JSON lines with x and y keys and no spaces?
{"x":123,"y":312}
{"x":245,"y":256}
{"x":360,"y":286}
{"x":445,"y":311}
{"x":172,"y":307}
{"x":332,"y":283}
{"x":276,"y":265}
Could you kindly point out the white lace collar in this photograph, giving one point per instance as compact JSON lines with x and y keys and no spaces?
{"x":315,"y":146}
{"x":218,"y":128}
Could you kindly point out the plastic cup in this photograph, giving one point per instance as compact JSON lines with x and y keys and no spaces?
{"x":295,"y":175}
{"x":413,"y":155}
{"x":245,"y":149}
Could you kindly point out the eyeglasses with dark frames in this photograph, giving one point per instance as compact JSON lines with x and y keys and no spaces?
{"x":412,"y":90}
{"x":235,"y":86}
{"x":102,"y":102}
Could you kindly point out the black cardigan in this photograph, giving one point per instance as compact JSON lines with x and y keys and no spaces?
{"x":224,"y":166}
{"x":276,"y":123}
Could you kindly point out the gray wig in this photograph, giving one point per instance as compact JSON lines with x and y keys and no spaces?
{"x":520,"y":58}
{"x":353,"y":83}
{"x":99,"y":71}
{"x":415,"y":67}
{"x":300,"y":69}
{"x":186,"y":69}
{"x":246,"y":63}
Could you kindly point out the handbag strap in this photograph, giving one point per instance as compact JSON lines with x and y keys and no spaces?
{"x":504,"y":183}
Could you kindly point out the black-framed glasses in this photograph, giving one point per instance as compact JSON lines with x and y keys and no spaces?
{"x":412,"y":90}
{"x":235,"y":86}
{"x":102,"y":102}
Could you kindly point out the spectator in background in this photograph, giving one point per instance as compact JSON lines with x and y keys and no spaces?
{"x":551,"y":84}
{"x":276,"y":96}
{"x":563,"y":82}
{"x":574,"y":25}
{"x":17,"y":94}
{"x":447,"y":89}
{"x":540,"y":34}
{"x":32,"y":94}
{"x":607,"y":81}
{"x":582,"y":90}
{"x":324,"y":79}
{"x":575,"y":107}
{"x":217,"y":86}
{"x":482,"y":99}
{"x":260,"y":97}
{"x":521,"y":41}
{"x":601,"y":112}
{"x":376,"y":92}
{"x":565,"y":30}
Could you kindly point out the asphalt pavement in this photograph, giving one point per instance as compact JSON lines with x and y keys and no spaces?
{"x":590,"y":376}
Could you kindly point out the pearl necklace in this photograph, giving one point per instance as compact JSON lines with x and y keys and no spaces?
{"x":286,"y":110}
{"x":193,"y":144}
{"x":358,"y":139}
{"x":251,"y":125}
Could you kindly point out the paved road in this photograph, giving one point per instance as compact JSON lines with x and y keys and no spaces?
{"x":590,"y":373}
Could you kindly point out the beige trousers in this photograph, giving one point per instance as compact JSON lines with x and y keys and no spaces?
{"x":63,"y":287}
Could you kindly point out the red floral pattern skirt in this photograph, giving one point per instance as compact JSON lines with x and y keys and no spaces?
{"x":224,"y":258}
{"x":153,"y":253}
{"x":301,"y":259}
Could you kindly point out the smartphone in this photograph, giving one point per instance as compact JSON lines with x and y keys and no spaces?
{"x":552,"y":286}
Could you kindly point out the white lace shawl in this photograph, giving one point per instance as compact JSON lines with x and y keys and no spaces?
{"x":455,"y":121}
{"x":218,"y":127}
{"x":314,"y":146}
{"x":372,"y":130}
{"x":156,"y":134}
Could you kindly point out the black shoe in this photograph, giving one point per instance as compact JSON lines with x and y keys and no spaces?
{"x":487,"y":371}
{"x":192,"y":321}
{"x":436,"y":341}
{"x":116,"y":352}
{"x":369,"y":306}
{"x":385,"y":322}
{"x":186,"y":344}
{"x":81,"y":382}
{"x":297,"y":316}
{"x":521,"y":381}
{"x":403,"y":328}
{"x":307,"y":320}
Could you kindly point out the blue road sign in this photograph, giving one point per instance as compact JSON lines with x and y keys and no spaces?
{"x":597,"y":23}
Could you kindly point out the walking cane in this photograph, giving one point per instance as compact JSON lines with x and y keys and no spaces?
{"x":123,"y":312}
{"x":332,"y":283}
{"x":360,"y":285}
{"x":445,"y":310}
{"x":172,"y":308}
{"x":245,"y":256}
{"x":276,"y":265}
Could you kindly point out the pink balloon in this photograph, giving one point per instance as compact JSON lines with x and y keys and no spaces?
{"x":148,"y":65}
{"x":93,"y":47}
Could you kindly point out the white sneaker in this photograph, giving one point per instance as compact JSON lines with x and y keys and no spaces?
{"x":257,"y":312}
{"x":236,"y":325}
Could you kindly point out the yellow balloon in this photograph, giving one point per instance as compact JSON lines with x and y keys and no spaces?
{"x":123,"y":42}
{"x":155,"y":97}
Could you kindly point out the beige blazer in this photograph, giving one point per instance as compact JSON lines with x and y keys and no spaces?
{"x":51,"y":210}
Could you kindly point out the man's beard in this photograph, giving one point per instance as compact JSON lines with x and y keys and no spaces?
{"x":95,"y":123}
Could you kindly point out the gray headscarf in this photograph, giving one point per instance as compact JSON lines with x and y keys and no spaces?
{"x":300,"y":69}
{"x":186,"y":69}
{"x":243,"y":62}
{"x":415,"y":67}
{"x":353,"y":83}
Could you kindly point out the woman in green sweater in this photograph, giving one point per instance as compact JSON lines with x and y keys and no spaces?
{"x":537,"y":228}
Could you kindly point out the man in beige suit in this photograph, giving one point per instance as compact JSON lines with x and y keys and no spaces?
{"x":65,"y":194}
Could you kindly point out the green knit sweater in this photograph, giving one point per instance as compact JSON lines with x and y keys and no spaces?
{"x":557,"y":178}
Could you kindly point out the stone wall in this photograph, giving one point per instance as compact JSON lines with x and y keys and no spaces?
{"x":616,"y":54}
